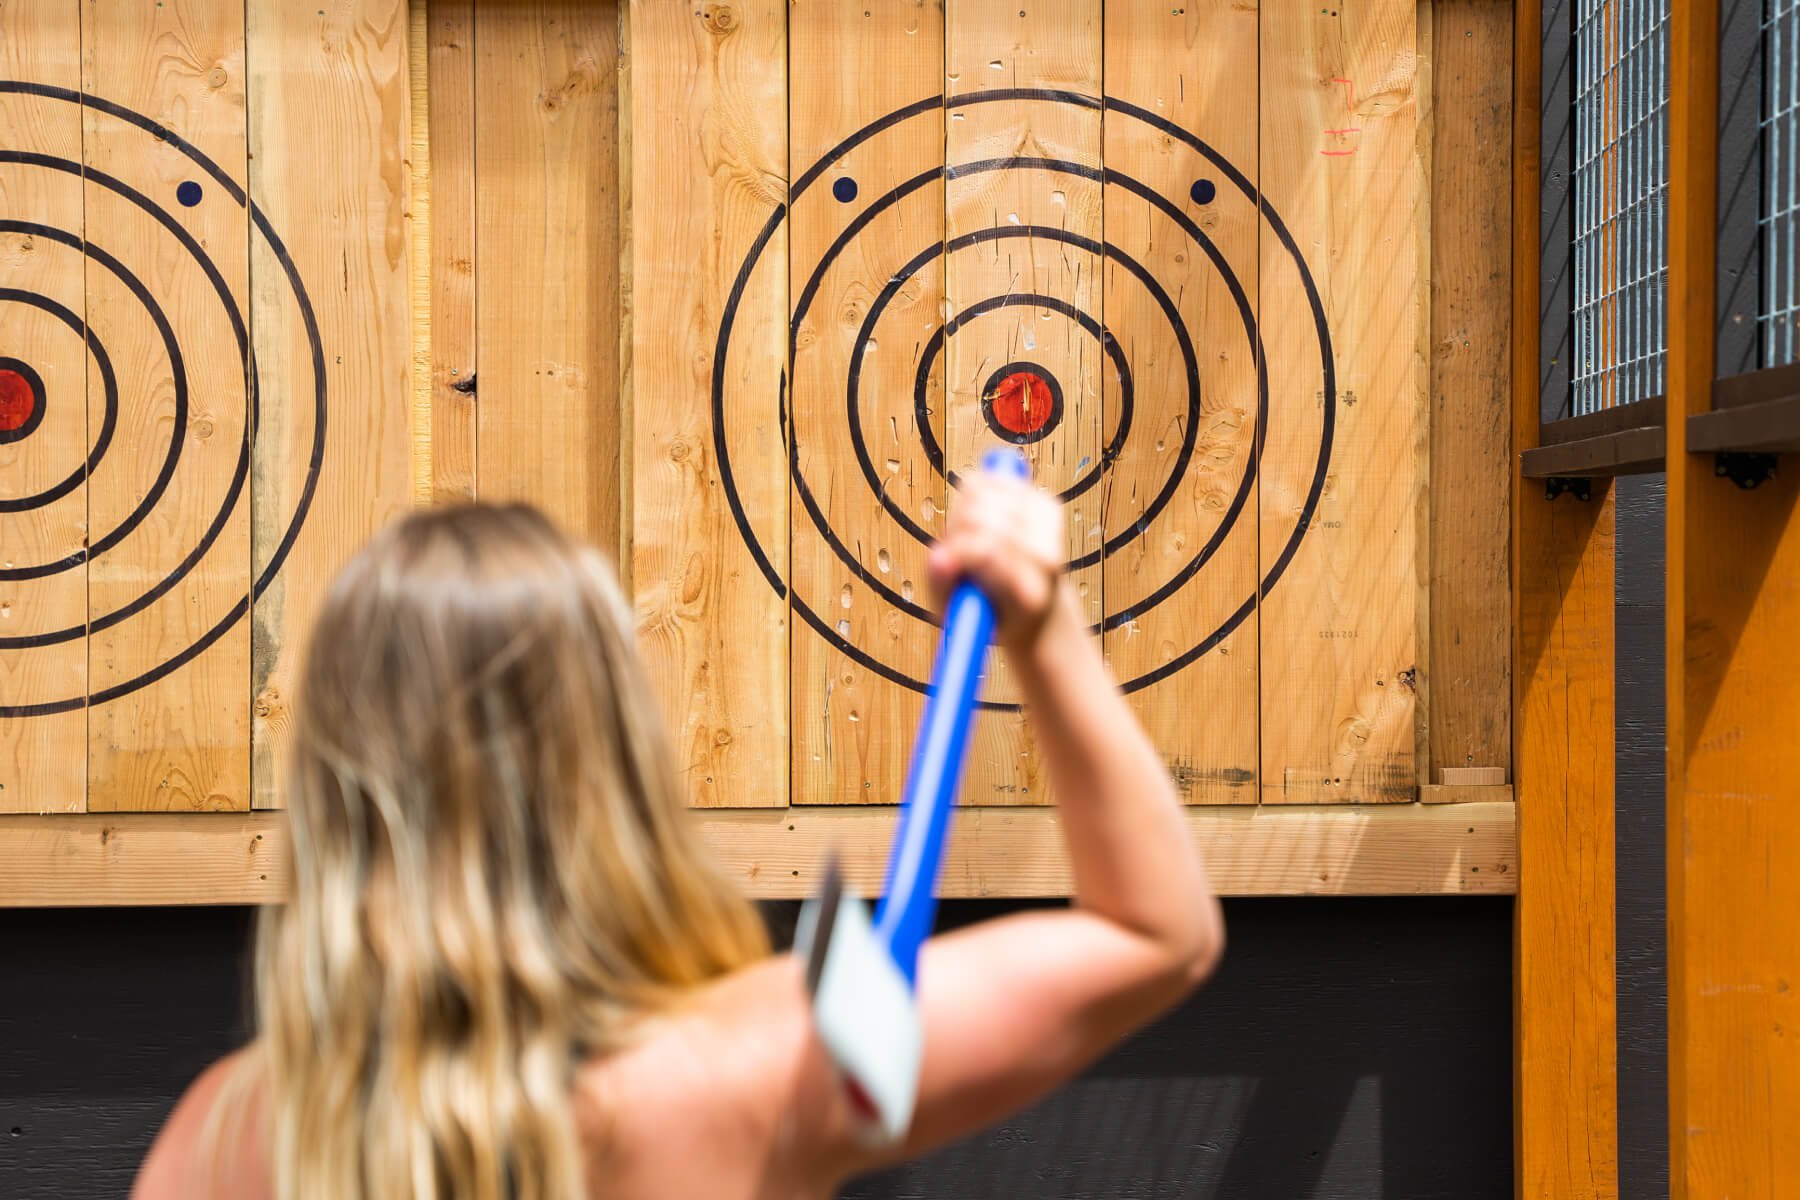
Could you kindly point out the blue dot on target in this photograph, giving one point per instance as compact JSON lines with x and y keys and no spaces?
{"x":844,"y":189}
{"x":1203,"y":191}
{"x":188,"y":193}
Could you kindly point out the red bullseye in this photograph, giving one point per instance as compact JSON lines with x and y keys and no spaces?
{"x":18,"y":401}
{"x":1022,"y":402}
{"x":21,"y":400}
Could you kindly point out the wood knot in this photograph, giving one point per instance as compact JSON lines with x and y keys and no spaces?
{"x":718,"y":19}
{"x":217,"y":78}
{"x":678,"y":451}
{"x":201,"y":428}
{"x":464,"y":385}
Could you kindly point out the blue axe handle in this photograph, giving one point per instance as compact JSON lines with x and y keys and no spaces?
{"x":909,"y":901}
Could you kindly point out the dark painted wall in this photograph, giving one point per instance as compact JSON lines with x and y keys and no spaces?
{"x":1638,"y":836}
{"x":1348,"y":1049}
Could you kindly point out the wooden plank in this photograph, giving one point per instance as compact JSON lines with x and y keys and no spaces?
{"x":1565,"y":1092}
{"x":450,"y":38}
{"x":862,"y":307}
{"x":43,"y":684}
{"x":180,"y":741}
{"x":1639,"y":414}
{"x":1341,"y":169}
{"x":1733,"y":687}
{"x":709,"y":172}
{"x":1628,"y":452}
{"x":1018,"y":851}
{"x":329,"y":131}
{"x":418,"y":242}
{"x":546,"y":178}
{"x":1466,"y":793}
{"x":777,"y":853}
{"x":142,"y":858}
{"x":1471,"y":776}
{"x":1011,"y":233}
{"x":1756,"y":387}
{"x":1468,"y":663}
{"x":1194,"y":67}
{"x":1772,"y":427}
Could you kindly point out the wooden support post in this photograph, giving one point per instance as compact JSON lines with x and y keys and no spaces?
{"x":1733,"y":689}
{"x":1564,"y":1018}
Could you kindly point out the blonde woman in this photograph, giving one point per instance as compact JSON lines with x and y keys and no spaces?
{"x":510,"y":970}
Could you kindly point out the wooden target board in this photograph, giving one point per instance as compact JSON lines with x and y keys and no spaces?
{"x":1173,"y":253}
{"x":203,"y":333}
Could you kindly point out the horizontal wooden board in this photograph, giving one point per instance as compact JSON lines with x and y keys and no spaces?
{"x":1466,"y":793}
{"x":1386,"y":850}
{"x":1016,"y":852}
{"x":80,"y":860}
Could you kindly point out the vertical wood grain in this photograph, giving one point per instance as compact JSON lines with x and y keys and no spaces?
{"x":1195,"y":66}
{"x":1340,"y":165}
{"x":43,"y":757}
{"x":450,"y":62}
{"x":854,"y":64}
{"x":329,"y":134}
{"x":1468,"y":668}
{"x":1565,"y":1051}
{"x":1733,"y":688}
{"x":708,"y":172}
{"x":991,"y":45}
{"x":546,"y":186}
{"x":181,"y":742}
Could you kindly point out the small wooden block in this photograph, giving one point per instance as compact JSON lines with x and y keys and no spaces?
{"x":1470,"y":776}
{"x":1467,"y":793}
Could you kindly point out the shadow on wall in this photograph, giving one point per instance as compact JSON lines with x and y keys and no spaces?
{"x":1348,"y":1048}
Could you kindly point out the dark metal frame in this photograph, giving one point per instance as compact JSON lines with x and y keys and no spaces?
{"x":1755,"y":408}
{"x":1625,"y":440}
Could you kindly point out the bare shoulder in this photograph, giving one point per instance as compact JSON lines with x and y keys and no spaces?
{"x":214,"y":1142}
{"x":736,"y":1074}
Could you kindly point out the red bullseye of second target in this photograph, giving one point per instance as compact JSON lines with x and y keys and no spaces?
{"x":1022,"y":402}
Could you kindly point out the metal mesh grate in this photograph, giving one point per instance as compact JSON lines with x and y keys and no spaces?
{"x":1621,"y":184}
{"x":1779,"y":217}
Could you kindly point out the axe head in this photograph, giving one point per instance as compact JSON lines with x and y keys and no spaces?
{"x":864,"y":1007}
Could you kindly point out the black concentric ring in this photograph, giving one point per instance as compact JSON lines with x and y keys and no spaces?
{"x":109,"y":390}
{"x":303,"y":303}
{"x":1235,"y":178}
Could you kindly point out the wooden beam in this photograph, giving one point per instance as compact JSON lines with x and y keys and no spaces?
{"x":206,"y":858}
{"x":1627,"y":452}
{"x":1337,"y":850}
{"x":81,"y":860}
{"x":1565,"y":1101}
{"x":1733,"y":687}
{"x":1466,"y":793}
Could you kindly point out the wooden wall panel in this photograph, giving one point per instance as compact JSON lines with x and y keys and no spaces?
{"x":328,"y":172}
{"x":1565,"y":1050}
{"x":546,"y":212}
{"x":1467,"y":680}
{"x":709,"y":183}
{"x":1733,"y":689}
{"x":181,"y":740}
{"x":867,"y":312}
{"x":1181,"y":595}
{"x":450,"y":70}
{"x":1024,"y":231}
{"x":43,"y":682}
{"x":1340,"y":169}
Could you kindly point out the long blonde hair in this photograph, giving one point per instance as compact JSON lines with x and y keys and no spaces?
{"x":492,"y":872}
